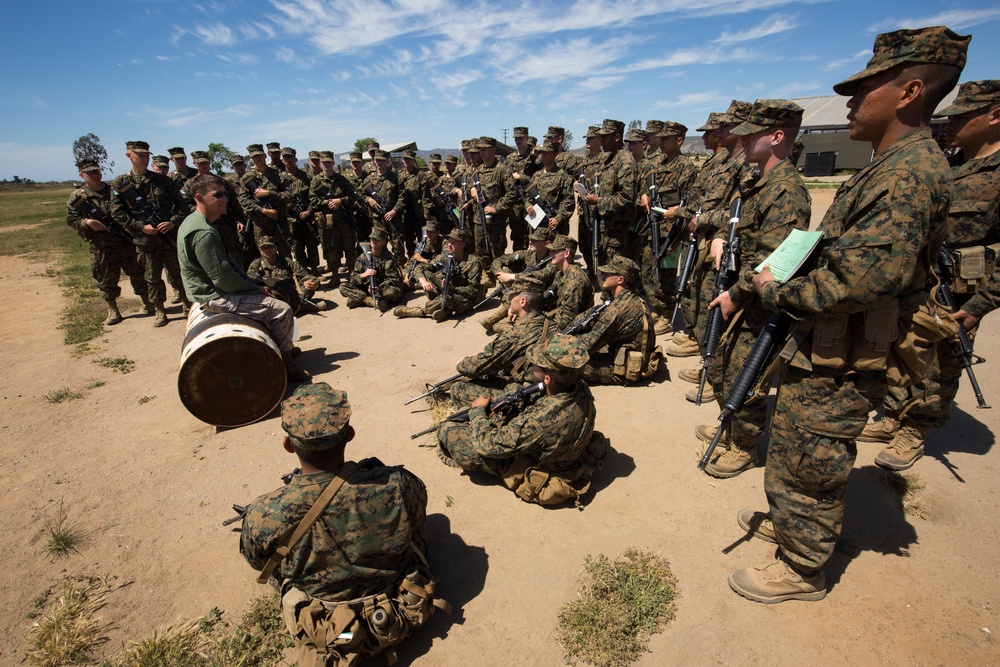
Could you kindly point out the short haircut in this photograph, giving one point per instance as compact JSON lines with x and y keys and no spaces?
{"x":532,"y":300}
{"x":939,"y":80}
{"x":324,"y":458}
{"x":204,"y":182}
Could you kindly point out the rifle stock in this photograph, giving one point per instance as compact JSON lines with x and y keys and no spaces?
{"x":500,"y":404}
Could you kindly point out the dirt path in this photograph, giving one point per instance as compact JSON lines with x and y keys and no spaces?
{"x":152,"y":485}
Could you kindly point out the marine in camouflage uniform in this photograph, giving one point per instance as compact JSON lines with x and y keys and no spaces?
{"x":625,"y":328}
{"x":158,"y":253}
{"x":382,"y":185}
{"x":387,"y":277}
{"x":521,"y":166}
{"x":773,"y":205}
{"x":267,"y":178}
{"x":414,"y":187}
{"x":110,"y":252}
{"x":615,"y":193}
{"x":573,"y":290}
{"x":332,"y":197}
{"x":272,"y":266}
{"x":590,"y":167}
{"x":440,"y":193}
{"x":565,"y":161}
{"x":973,"y":223}
{"x":368,"y":539}
{"x":466,"y":281}
{"x":429,"y":247}
{"x":555,"y":187}
{"x":305,"y":241}
{"x":552,"y":433}
{"x":882,"y":233}
{"x":496,"y":186}
{"x":181,"y":174}
{"x":509,"y":267}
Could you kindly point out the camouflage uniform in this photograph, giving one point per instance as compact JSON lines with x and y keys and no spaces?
{"x":360,"y":208}
{"x":157,"y":254}
{"x":282,"y":269}
{"x":498,"y":190}
{"x":413,"y":187}
{"x":617,"y":179}
{"x":556,"y":191}
{"x":589,"y":167}
{"x":389,"y":193}
{"x":517,"y":262}
{"x":337,"y":229}
{"x":387,"y":278}
{"x":466,"y":286}
{"x":278,"y":198}
{"x":574,"y":292}
{"x":427,"y":252}
{"x":305,"y":247}
{"x":523,"y":165}
{"x":110,"y":254}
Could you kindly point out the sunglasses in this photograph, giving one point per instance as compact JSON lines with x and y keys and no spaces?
{"x":219,"y":194}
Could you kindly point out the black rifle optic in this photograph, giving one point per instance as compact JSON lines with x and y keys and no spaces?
{"x":501,"y":404}
{"x":961,"y":346}
{"x":768,"y":343}
{"x":723,"y":279}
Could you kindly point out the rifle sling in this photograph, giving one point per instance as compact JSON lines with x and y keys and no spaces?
{"x":307,"y":521}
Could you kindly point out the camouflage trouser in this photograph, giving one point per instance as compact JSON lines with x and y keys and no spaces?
{"x":304,"y":247}
{"x":464,"y":392}
{"x":107,"y":265}
{"x":661,"y":296}
{"x":155,"y":258}
{"x":270,"y":228}
{"x":926,"y":405}
{"x":273,"y":313}
{"x":615,"y":241}
{"x":351,"y":291}
{"x":456,"y":304}
{"x":519,"y":229}
{"x":747,"y":424}
{"x":810,"y":455}
{"x":457,"y":441}
{"x":600,"y":370}
{"x":497,"y":230}
{"x":339,"y":240}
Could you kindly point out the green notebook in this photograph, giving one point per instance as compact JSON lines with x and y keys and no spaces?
{"x":791,"y":254}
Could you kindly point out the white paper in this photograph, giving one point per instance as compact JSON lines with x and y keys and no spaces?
{"x":581,"y":189}
{"x":535,"y":220}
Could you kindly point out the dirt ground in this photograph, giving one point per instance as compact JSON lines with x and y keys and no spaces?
{"x":152,"y":485}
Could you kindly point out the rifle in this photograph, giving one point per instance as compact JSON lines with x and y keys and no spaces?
{"x":252,"y":186}
{"x":370,"y":191}
{"x":589,"y":223}
{"x":672,"y":236}
{"x":465,"y":197}
{"x":84,"y":206}
{"x":299,"y":207}
{"x":366,"y":248}
{"x":503,"y":403}
{"x":502,"y":288}
{"x":685,"y":273}
{"x":448,"y":271}
{"x":327,"y":195}
{"x":540,"y":203}
{"x":767,"y":344}
{"x":241,"y":510}
{"x":587,"y":319}
{"x":421,"y":249}
{"x":434,"y":389}
{"x":443,"y":202}
{"x":727,"y":269}
{"x":146,"y":210}
{"x":595,"y":231}
{"x":961,"y":348}
{"x":481,"y":205}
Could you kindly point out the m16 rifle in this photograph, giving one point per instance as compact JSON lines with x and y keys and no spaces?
{"x":434,"y":389}
{"x":767,"y":345}
{"x":448,"y":271}
{"x":684,"y":274}
{"x":962,"y":345}
{"x":376,"y":293}
{"x":149,"y":212}
{"x":595,"y":232}
{"x":586,"y":320}
{"x":444,"y":205}
{"x":89,"y":209}
{"x":500,"y":405}
{"x":300,"y":206}
{"x":464,"y":184}
{"x":673,"y":236}
{"x":588,"y":222}
{"x":485,"y":220}
{"x":383,"y":209}
{"x":727,"y":272}
{"x":252,"y":186}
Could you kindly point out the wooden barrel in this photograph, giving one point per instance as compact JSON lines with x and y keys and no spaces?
{"x":231,"y":370}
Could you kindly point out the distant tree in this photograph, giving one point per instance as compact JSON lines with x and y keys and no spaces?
{"x":634,"y":125}
{"x":88,"y":147}
{"x":218,"y":155}
{"x":361,"y":145}
{"x":567,"y":140}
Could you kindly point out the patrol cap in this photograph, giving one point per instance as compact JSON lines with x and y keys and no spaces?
{"x":176,"y":152}
{"x":672,"y":129}
{"x":435,"y":157}
{"x":288,"y":151}
{"x":451,"y":159}
{"x":610,"y":126}
{"x":462,"y":235}
{"x":621,"y":266}
{"x":654,"y":126}
{"x":373,"y":146}
{"x":520,"y":131}
{"x":237,"y":159}
{"x":410,"y":154}
{"x":712,"y":123}
{"x":199,"y":157}
{"x":273,"y":147}
{"x":266,"y":241}
{"x":381,"y":155}
{"x":546,"y":147}
{"x":431,"y":226}
{"x":532,"y":141}
{"x":378,"y":234}
{"x":486,"y":142}
{"x":466,"y":144}
{"x":316,"y":416}
{"x":770,"y":113}
{"x":255,"y":149}
{"x":557,"y":131}
{"x":635,"y":136}
{"x":473,"y":146}
{"x":161,"y":159}
{"x":137,"y":146}
{"x":560,"y":353}
{"x":542,"y":234}
{"x":562,"y":242}
{"x":313,"y":155}
{"x":737,"y":112}
{"x":935,"y":45}
{"x":356,"y":156}
{"x":526,"y":283}
{"x":326,"y":156}
{"x":593,"y":131}
{"x":87,"y":165}
{"x":973,"y":96}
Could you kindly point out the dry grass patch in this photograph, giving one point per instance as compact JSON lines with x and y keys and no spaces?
{"x":908,"y":487}
{"x":60,"y":395}
{"x":68,"y":632}
{"x":65,"y":536}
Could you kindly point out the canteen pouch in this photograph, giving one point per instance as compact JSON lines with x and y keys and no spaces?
{"x":923,"y":323}
{"x":324,"y":633}
{"x":872,"y":335}
{"x":829,"y":342}
{"x":973,"y":267}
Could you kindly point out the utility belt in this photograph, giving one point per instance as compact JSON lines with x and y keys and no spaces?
{"x":973,"y":267}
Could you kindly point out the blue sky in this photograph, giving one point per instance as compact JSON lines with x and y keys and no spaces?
{"x":318,"y":74}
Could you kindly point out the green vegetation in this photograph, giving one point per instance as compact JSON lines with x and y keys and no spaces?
{"x":64,"y":536}
{"x":121,"y":365}
{"x":620,"y":605}
{"x":68,"y":633}
{"x":60,"y":395}
{"x":94,"y":384}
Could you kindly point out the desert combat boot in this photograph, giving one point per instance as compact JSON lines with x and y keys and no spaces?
{"x":733,"y":461}
{"x":778,"y":582}
{"x":114,"y":315}
{"x":161,"y":315}
{"x":757,"y":524}
{"x":904,"y":450}
{"x":884,"y":430}
{"x":409,"y":311}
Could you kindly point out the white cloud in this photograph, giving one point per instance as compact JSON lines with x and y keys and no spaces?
{"x":242,"y":59}
{"x":844,"y":62}
{"x":772,"y":25}
{"x":559,"y":60}
{"x":214,"y":35}
{"x":456,"y":80}
{"x":956,"y":19}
